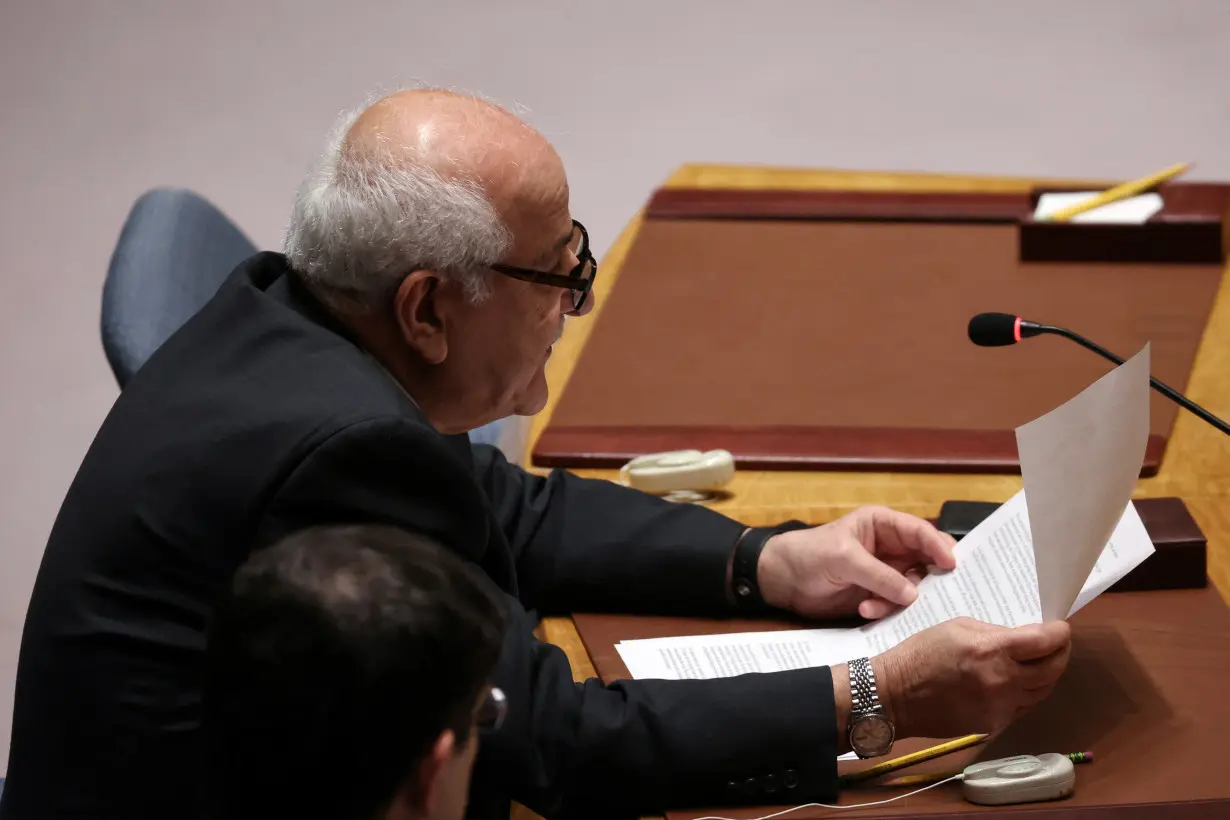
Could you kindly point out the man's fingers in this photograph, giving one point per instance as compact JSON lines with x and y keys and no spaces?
{"x":1042,"y":674}
{"x":1029,"y":643}
{"x":875,"y":608}
{"x":913,"y":535}
{"x":870,"y":573}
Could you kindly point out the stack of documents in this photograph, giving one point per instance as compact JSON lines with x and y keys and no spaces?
{"x":1027,"y":562}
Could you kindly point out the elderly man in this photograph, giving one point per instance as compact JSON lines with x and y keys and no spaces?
{"x":429,"y":266}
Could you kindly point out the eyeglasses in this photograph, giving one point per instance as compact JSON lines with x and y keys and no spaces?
{"x":579,"y":280}
{"x":493,"y":710}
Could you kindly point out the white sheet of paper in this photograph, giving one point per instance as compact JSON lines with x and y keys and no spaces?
{"x":738,"y":653}
{"x":994,"y":582}
{"x":1079,"y":464}
{"x":1129,"y":546}
{"x":995,"y":556}
{"x":1134,"y":210}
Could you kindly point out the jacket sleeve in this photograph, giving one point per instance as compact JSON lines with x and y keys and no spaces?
{"x":588,"y":544}
{"x":568,"y":749}
{"x":588,"y":750}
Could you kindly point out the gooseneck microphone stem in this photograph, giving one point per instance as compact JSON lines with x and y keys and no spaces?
{"x":1032,"y":329}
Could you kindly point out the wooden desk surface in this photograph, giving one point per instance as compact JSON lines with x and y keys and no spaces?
{"x":1196,"y":466}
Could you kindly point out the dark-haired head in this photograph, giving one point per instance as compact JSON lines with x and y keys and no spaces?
{"x":347,"y":668}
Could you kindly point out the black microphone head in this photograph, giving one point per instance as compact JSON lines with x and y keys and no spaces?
{"x":995,"y":329}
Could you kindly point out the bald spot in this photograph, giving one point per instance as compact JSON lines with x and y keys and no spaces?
{"x":466,"y":138}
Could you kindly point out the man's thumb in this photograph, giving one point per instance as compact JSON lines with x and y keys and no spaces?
{"x":1029,"y":643}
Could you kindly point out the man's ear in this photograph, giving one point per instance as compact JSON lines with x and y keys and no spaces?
{"x":425,"y":784}
{"x":417,"y":305}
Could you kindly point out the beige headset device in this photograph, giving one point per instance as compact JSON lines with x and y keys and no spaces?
{"x":679,"y":471}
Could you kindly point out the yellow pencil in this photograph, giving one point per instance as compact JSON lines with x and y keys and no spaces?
{"x":1117,"y":193}
{"x":912,"y":758}
{"x":927,"y":779}
{"x":920,"y":779}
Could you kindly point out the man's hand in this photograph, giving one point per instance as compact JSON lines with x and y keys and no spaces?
{"x":964,"y":676}
{"x":866,"y":562}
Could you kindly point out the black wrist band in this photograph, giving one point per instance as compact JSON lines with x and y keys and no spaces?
{"x":743,"y":577}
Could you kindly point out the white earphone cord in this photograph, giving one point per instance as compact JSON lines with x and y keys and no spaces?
{"x":850,"y":806}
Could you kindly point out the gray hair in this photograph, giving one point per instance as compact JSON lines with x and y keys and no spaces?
{"x":365,"y":218}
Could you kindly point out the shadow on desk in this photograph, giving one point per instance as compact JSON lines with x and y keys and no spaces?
{"x":1122,"y":712}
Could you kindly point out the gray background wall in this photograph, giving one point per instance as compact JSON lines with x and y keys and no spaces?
{"x":101,"y":99}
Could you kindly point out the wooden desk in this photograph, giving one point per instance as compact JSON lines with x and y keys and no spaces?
{"x":1196,"y":467}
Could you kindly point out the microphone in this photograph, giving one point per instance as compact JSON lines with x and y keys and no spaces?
{"x":1000,"y":329}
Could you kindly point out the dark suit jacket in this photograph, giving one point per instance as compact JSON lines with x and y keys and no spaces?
{"x":261,"y":417}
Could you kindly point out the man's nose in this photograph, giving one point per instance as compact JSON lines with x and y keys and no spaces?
{"x":585,"y":307}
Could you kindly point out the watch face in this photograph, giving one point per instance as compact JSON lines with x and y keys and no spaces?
{"x":871,"y":735}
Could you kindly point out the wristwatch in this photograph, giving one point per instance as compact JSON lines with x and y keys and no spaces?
{"x":871,"y":731}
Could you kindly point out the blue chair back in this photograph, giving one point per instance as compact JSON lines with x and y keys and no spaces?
{"x":173,"y":254}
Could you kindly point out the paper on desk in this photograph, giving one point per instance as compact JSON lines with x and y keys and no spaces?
{"x":1079,"y":464}
{"x":1134,"y":210}
{"x":722,"y":656}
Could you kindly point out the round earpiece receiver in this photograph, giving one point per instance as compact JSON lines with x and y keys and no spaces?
{"x":679,"y":471}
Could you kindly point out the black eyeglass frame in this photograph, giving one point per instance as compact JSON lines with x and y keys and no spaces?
{"x":492,"y":711}
{"x":558,"y":280}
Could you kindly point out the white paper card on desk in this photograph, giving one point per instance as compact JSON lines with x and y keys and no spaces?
{"x":1079,"y":464}
{"x":1134,"y":210}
